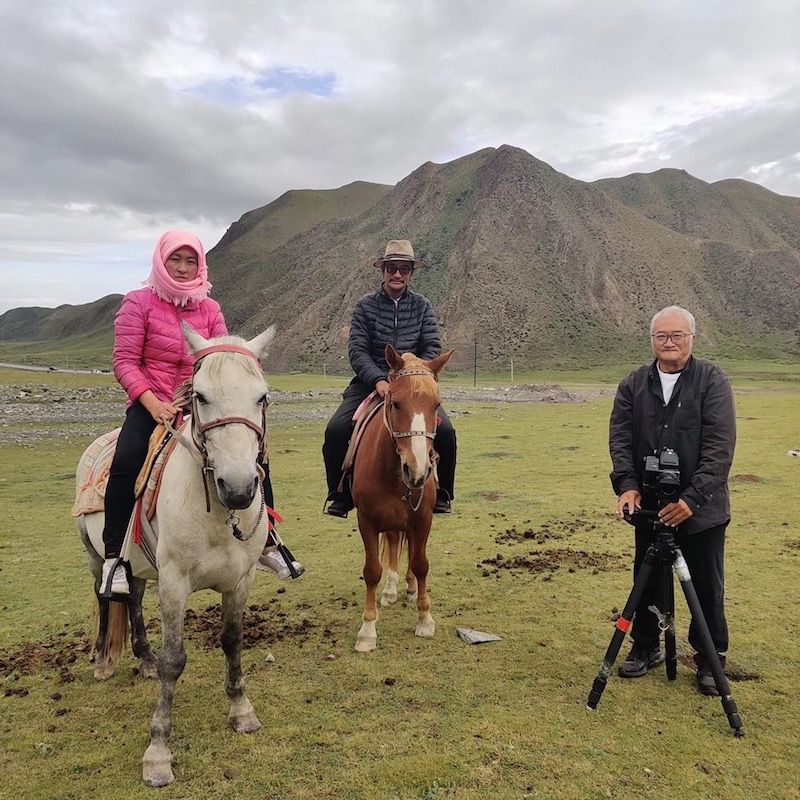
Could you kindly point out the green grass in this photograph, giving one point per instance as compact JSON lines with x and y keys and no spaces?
{"x":423,"y":718}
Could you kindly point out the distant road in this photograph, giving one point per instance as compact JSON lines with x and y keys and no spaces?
{"x":34,"y":368}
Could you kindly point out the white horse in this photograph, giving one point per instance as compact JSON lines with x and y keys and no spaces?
{"x":211,"y":523}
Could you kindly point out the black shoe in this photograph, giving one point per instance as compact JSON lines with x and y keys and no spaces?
{"x":640,"y":660}
{"x":706,"y":683}
{"x":339,"y":507}
{"x":442,"y":506}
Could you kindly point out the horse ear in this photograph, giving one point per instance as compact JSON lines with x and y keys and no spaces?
{"x":393,"y":358}
{"x":436,"y":365}
{"x":258,"y":346}
{"x":193,"y":338}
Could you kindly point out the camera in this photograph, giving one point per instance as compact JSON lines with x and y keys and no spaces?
{"x":662,"y":476}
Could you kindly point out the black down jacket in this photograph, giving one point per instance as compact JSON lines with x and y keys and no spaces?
{"x":409,"y":325}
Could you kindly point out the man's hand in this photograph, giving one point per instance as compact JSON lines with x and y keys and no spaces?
{"x":381,"y":387}
{"x":675,"y":513}
{"x":628,"y":502}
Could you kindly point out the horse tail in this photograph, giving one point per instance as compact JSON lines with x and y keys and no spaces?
{"x":392,"y":545}
{"x":117,"y":634}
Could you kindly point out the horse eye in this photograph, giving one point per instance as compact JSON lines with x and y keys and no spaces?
{"x":199,"y":399}
{"x":264,"y":399}
{"x":395,"y":405}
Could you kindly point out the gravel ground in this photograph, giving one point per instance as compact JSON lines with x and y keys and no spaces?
{"x":32,"y":412}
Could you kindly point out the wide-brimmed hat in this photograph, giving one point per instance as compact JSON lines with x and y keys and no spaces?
{"x":399,"y":250}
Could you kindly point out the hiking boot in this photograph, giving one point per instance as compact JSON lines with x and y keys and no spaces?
{"x":271,"y":560}
{"x":442,"y":505}
{"x":119,"y":583}
{"x":639,"y":660}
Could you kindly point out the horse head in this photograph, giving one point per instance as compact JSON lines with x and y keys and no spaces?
{"x":229,"y":400}
{"x":410,"y":411}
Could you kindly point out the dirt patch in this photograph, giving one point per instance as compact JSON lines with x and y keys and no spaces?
{"x":747,"y":478}
{"x":733,"y":672}
{"x":492,"y":497}
{"x":791,"y":546}
{"x":551,"y":561}
{"x":68,"y":652}
{"x":513,"y":536}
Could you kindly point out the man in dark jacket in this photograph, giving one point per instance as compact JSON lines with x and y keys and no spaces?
{"x":393,"y":315}
{"x":686,"y":404}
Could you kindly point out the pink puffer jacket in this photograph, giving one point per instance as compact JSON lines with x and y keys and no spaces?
{"x":149,"y":349}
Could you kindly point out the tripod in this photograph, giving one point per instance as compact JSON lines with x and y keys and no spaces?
{"x":665,"y":554}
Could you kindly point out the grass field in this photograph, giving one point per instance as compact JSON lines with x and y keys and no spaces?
{"x":531,"y":553}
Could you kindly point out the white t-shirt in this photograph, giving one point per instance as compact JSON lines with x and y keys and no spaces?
{"x":668,"y":381}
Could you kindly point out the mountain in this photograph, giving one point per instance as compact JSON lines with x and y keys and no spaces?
{"x":524,"y":263}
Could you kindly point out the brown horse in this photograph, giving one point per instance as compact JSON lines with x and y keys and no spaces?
{"x":392,"y":490}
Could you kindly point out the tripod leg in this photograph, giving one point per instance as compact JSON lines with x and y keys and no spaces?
{"x":669,"y":624}
{"x":709,"y":650}
{"x":622,"y":626}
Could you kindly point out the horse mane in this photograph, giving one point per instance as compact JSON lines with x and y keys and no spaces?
{"x":418,"y":384}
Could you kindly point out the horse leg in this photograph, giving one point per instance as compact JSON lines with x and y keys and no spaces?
{"x":412,"y":587}
{"x":367,"y":638}
{"x":391,"y":543}
{"x":418,"y":562}
{"x":157,"y":759}
{"x":242,"y":717}
{"x":140,"y":644}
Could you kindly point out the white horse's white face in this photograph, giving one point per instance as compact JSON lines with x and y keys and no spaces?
{"x":229,"y":388}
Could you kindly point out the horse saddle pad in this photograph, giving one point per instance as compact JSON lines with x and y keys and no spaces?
{"x":363,"y":414}
{"x":91,"y":486}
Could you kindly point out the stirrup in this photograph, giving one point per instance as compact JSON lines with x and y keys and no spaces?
{"x":105,"y":591}
{"x":294,"y":572}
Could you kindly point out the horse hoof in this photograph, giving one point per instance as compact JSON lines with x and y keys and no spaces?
{"x":157,"y":766}
{"x":245,"y":724}
{"x":156,"y":779}
{"x":149,"y":670}
{"x":427,"y":630}
{"x":366,"y":645}
{"x":388,"y":598}
{"x":103,"y":672}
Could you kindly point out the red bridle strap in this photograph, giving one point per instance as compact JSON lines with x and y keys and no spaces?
{"x":226,"y":348}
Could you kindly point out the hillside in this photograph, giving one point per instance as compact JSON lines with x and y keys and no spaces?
{"x":524,"y":263}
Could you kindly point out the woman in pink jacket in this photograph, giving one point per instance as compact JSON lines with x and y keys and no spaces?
{"x":151,"y":360}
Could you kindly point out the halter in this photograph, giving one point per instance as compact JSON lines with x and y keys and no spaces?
{"x":198,"y":431}
{"x":387,"y":401}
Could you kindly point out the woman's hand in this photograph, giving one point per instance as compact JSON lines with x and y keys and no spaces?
{"x":159,"y":410}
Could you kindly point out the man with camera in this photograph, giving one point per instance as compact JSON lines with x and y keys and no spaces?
{"x":674,"y":419}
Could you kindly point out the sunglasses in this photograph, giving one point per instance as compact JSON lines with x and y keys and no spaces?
{"x":391,"y":269}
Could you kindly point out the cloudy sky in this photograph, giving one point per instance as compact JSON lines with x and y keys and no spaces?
{"x":120,"y":119}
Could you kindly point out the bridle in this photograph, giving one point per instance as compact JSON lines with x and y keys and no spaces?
{"x":199,"y":430}
{"x":387,"y":421}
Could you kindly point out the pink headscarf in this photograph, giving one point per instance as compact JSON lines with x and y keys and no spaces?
{"x":179,"y":293}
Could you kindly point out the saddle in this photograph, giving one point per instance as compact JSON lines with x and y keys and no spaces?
{"x":363,"y":414}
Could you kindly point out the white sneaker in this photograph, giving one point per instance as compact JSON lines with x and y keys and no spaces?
{"x":119,"y":584}
{"x":271,"y":560}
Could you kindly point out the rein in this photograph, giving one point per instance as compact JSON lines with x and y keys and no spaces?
{"x":387,"y":402}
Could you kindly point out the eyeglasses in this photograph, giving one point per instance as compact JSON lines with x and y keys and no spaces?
{"x":677,"y":338}
{"x":391,"y":269}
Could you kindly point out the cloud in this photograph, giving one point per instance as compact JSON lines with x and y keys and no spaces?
{"x":123,"y":118}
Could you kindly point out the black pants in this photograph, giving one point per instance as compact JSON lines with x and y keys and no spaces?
{"x":129,"y":457}
{"x":704,"y":553}
{"x":340,"y":428}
